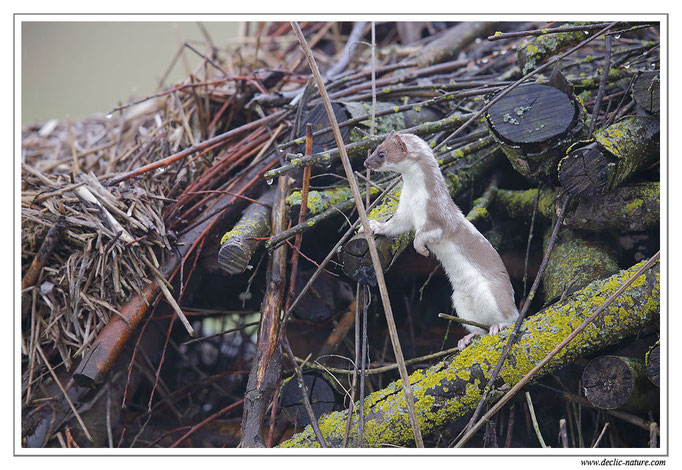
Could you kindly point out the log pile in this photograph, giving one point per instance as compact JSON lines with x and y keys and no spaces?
{"x":191,"y":262}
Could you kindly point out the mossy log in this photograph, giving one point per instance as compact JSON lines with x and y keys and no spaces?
{"x":535,"y":51}
{"x":616,"y":153}
{"x":646,"y":91}
{"x":615,"y":382}
{"x":653,"y":363}
{"x":354,"y":256}
{"x":534,"y":125}
{"x":576,"y":260}
{"x":452,"y":388}
{"x":632,"y":208}
{"x":239,"y":244}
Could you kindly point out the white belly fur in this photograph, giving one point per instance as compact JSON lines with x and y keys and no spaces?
{"x":471,"y":293}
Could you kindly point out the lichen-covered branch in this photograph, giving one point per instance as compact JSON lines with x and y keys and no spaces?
{"x":617,"y":152}
{"x":533,"y":52}
{"x":452,"y":388}
{"x":633,"y":208}
{"x":239,"y":244}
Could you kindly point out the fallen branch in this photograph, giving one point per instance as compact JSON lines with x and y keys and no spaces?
{"x":450,"y":389}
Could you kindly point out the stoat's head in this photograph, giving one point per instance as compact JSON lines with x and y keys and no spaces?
{"x":390,"y":155}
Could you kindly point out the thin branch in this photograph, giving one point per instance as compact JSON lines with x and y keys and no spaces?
{"x":409,"y":397}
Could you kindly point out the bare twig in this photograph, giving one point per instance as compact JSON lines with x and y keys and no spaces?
{"x":540,"y":32}
{"x":536,"y":426}
{"x":64,"y":392}
{"x":602,"y":86}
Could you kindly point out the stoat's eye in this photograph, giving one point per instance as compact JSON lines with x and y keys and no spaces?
{"x":381,"y":155}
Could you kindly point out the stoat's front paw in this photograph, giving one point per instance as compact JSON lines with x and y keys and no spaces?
{"x":374,"y":226}
{"x":421,"y":249}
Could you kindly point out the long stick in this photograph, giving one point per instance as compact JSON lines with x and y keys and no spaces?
{"x":522,"y":314}
{"x":393,"y":332}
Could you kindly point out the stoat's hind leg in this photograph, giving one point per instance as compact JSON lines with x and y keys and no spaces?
{"x":465,"y":340}
{"x":495,"y":329}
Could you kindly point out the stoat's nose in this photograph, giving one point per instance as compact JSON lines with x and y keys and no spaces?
{"x":366,"y":165}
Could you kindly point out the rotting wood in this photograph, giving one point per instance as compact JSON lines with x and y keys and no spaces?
{"x":450,"y":389}
{"x":646,"y":91}
{"x":634,"y":208}
{"x":617,"y":153}
{"x":653,"y":363}
{"x":239,"y":244}
{"x":616,"y":382}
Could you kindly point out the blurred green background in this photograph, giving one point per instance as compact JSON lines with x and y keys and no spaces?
{"x":83,"y":68}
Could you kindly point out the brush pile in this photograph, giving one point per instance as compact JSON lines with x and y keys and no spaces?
{"x":177,"y":251}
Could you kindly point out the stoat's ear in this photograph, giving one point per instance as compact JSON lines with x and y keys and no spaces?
{"x":399,"y":142}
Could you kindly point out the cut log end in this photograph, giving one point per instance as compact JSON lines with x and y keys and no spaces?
{"x":584,"y":172}
{"x":234,"y":257}
{"x":532,"y":114}
{"x":612,"y":382}
{"x":646,"y":92}
{"x":653,"y":364}
{"x":357,"y":262}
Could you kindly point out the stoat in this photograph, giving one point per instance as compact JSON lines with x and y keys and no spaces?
{"x":481,"y":289}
